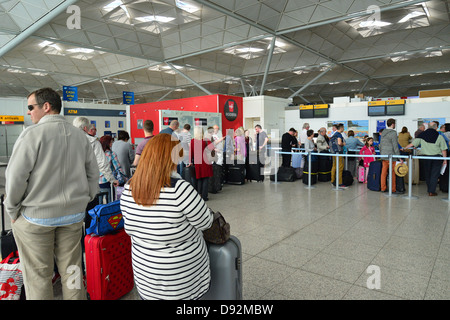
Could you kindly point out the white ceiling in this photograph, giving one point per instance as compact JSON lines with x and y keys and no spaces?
{"x":168,"y":49}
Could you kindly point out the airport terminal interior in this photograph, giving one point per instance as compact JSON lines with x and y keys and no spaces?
{"x":278,"y":64}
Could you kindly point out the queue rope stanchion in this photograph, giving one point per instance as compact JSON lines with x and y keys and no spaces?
{"x":410,"y":196}
{"x":448,"y":190}
{"x":336,"y":180}
{"x":276,"y":167}
{"x":309,"y":172}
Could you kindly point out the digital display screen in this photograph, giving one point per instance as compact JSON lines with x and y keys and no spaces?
{"x":395,"y":110}
{"x":321,"y":113}
{"x":308,"y":113}
{"x":377,"y":111}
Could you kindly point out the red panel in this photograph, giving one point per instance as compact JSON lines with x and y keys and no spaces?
{"x":231,"y":107}
{"x":150,"y":111}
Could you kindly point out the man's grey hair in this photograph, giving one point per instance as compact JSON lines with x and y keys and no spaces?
{"x":306,"y":125}
{"x":81,"y":123}
{"x":433,"y":125}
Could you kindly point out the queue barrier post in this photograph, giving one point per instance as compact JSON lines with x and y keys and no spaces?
{"x":309,"y":172}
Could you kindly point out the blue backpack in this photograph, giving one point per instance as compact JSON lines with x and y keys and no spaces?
{"x":106,"y":218}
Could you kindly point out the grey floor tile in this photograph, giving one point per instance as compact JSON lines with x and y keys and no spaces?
{"x":438,"y":290}
{"x":404,"y":261}
{"x":335,"y":267}
{"x":253,"y":245}
{"x":361,"y":293}
{"x":309,"y":240}
{"x":352,"y":250}
{"x":303,"y":285}
{"x":264,"y":273}
{"x":441,"y":270}
{"x":414,"y":246}
{"x":290,"y":255}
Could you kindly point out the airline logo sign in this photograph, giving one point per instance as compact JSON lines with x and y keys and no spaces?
{"x":231,"y":110}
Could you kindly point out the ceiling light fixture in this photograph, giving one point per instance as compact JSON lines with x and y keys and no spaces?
{"x":411,"y":16}
{"x":186,"y":6}
{"x":154,"y":18}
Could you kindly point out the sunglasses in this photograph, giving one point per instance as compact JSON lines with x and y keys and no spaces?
{"x":31,"y":106}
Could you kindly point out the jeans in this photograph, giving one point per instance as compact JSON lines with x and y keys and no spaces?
{"x":432,"y":170}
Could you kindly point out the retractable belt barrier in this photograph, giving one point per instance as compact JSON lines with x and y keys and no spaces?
{"x":339,"y":155}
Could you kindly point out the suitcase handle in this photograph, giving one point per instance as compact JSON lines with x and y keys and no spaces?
{"x":3,"y":215}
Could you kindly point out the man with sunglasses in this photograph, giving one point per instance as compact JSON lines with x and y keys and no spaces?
{"x":50,"y":178}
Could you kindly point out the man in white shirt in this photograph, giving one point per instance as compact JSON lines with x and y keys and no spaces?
{"x":303,"y":135}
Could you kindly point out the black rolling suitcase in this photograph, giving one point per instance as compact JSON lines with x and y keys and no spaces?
{"x":347,"y":178}
{"x":215,"y":182}
{"x":325,"y":165}
{"x":284,"y":174}
{"x":399,"y":184}
{"x":7,"y":242}
{"x":235,"y":173}
{"x":314,"y":171}
{"x":254,"y":172}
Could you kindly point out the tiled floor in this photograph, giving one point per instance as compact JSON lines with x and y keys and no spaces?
{"x":301,"y":243}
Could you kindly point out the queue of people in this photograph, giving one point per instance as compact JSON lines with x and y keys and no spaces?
{"x":433,"y":143}
{"x":50,"y":185}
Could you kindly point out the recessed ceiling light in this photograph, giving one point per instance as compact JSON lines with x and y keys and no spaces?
{"x":80,"y":50}
{"x":412,"y":15}
{"x":374,"y":23}
{"x":183,"y":5}
{"x":161,"y":19}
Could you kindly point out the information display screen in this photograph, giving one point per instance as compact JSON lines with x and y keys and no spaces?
{"x":307,"y":113}
{"x":375,"y":111}
{"x":395,"y":110}
{"x":321,"y":113}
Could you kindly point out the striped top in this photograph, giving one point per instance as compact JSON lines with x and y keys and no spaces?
{"x":169,"y":255}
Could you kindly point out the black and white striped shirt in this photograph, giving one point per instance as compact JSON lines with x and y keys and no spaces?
{"x":169,"y":255}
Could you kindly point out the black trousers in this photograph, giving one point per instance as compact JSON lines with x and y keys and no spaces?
{"x":202,"y":185}
{"x":432,"y":170}
{"x":286,"y":159}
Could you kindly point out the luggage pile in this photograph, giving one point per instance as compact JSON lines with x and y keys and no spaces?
{"x":109,"y":273}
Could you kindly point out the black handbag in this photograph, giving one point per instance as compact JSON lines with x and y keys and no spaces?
{"x":219,"y":232}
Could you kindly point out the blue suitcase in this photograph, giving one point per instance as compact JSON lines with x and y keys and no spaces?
{"x":374,"y":176}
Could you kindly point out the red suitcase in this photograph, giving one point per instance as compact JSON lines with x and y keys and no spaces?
{"x":109,"y":274}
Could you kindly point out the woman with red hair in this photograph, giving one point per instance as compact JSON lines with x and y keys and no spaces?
{"x":165,"y":216}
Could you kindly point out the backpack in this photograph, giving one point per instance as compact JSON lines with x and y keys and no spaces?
{"x":335,"y":148}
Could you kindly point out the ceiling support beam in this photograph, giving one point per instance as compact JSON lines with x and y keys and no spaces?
{"x":25,"y":34}
{"x":164,"y":96}
{"x":269,"y":61}
{"x":243,"y":88}
{"x":104,"y":89}
{"x":310,"y":82}
{"x":189,"y":79}
{"x":349,"y":16}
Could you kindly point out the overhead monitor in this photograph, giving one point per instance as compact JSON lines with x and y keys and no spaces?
{"x":395,"y":107}
{"x":306,"y":112}
{"x":376,"y":108}
{"x":321,"y":111}
{"x":377,"y":111}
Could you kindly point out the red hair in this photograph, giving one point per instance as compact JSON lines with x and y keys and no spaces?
{"x":158,"y":159}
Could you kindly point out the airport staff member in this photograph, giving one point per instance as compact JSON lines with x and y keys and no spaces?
{"x":51,"y":177}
